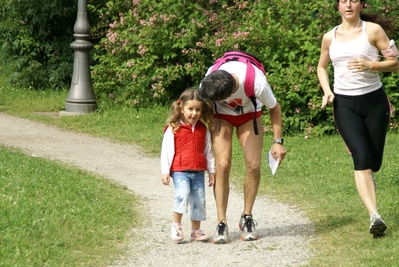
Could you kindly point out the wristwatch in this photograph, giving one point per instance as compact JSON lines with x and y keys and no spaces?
{"x":279,"y":141}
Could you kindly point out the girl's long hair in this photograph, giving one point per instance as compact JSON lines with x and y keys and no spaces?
{"x":175,"y":111}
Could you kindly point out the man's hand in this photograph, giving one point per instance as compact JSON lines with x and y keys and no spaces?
{"x":278,"y":152}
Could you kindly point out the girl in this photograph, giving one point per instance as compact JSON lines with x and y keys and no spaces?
{"x":186,"y":154}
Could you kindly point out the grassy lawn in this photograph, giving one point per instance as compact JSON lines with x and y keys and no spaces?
{"x":53,"y":215}
{"x":316,"y":176}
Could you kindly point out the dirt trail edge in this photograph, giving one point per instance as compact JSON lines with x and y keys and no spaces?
{"x":285,"y":235}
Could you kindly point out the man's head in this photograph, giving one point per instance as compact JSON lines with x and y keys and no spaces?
{"x":217,"y":86}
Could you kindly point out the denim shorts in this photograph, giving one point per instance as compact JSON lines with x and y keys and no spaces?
{"x":190,"y":188}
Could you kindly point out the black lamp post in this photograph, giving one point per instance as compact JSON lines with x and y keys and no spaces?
{"x":81,"y":97}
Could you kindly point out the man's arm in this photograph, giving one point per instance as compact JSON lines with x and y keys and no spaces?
{"x":278,"y":150}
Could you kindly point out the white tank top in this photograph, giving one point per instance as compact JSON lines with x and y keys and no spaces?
{"x":347,"y":82}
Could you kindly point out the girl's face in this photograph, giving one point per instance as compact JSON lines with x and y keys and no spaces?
{"x":191,"y":111}
{"x":350,"y":8}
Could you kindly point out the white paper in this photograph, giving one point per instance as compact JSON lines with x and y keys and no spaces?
{"x":273,"y":163}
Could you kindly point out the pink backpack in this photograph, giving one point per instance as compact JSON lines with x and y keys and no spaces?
{"x":250,"y":60}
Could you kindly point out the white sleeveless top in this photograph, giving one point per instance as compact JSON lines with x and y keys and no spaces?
{"x":347,"y":82}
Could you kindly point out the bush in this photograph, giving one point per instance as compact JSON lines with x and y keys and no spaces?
{"x":153,"y":51}
{"x":38,"y":44}
{"x":37,"y":38}
{"x":147,"y":52}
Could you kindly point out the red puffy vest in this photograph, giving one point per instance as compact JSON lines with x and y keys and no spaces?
{"x":189,"y":148}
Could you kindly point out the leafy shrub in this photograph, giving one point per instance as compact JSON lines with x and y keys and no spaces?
{"x":147,"y":52}
{"x":37,"y":37}
{"x":153,"y":51}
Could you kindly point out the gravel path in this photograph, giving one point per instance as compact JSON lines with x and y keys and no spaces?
{"x":285,"y":235}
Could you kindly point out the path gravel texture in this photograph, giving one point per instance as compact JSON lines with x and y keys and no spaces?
{"x":285,"y":234}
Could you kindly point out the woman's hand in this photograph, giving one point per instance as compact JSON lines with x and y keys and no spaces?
{"x":359,"y":65}
{"x":327,"y":99}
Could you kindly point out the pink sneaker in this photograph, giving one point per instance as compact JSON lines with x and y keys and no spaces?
{"x":177,"y":233}
{"x":198,"y":235}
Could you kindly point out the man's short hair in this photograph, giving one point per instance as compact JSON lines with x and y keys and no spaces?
{"x":217,"y":86}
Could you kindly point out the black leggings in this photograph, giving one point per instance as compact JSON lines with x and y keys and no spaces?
{"x":363,"y":122}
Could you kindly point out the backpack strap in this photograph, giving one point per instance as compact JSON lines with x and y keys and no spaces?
{"x":249,"y":89}
{"x":217,"y":114}
{"x":253,"y":100}
{"x":249,"y":85}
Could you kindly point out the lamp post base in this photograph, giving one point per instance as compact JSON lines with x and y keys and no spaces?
{"x":80,"y":107}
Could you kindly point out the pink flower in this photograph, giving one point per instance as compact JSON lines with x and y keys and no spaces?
{"x":243,"y":5}
{"x":213,"y":17}
{"x":312,"y":106}
{"x":142,"y":49}
{"x":219,"y":41}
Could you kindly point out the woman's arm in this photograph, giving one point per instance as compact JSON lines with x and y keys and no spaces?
{"x":322,"y":73}
{"x":379,"y":39}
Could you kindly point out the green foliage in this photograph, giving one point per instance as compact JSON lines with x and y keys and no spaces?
{"x":37,"y":38}
{"x":38,"y":45}
{"x":153,"y":51}
{"x":147,"y":52}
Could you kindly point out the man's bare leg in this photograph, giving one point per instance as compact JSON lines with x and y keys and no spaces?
{"x":222,"y":147}
{"x":252,"y":148}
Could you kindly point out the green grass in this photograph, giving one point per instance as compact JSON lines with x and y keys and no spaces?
{"x":316,"y":176}
{"x":54,"y":215}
